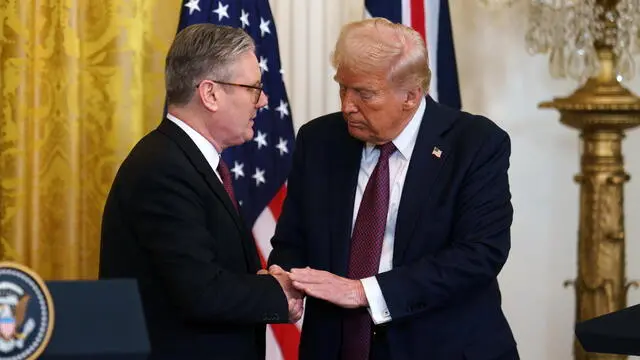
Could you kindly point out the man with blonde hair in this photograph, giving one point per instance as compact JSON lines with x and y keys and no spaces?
{"x":171,"y":220}
{"x":398,"y":214}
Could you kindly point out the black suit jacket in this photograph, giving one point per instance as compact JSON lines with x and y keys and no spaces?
{"x":452,"y":236}
{"x":169,"y":223}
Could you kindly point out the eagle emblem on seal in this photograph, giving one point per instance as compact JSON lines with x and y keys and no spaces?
{"x":14,"y":326}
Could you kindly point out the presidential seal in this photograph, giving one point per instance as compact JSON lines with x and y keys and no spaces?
{"x":26,"y":313}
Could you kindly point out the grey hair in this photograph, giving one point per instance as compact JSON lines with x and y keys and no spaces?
{"x":202,"y":51}
{"x":379,"y":44}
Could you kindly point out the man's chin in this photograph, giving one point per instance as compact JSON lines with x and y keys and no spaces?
{"x":359,"y":133}
{"x":248,"y":136}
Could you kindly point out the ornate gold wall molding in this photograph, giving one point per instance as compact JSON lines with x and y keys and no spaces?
{"x":80,"y":82}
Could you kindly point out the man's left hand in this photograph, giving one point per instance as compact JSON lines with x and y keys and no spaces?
{"x":346,"y":293}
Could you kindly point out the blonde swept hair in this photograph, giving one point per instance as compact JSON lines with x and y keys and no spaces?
{"x":379,"y":44}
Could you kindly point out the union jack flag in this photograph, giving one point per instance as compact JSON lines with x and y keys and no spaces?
{"x":260,"y":167}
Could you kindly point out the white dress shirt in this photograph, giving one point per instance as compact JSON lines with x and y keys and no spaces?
{"x":398,"y":165}
{"x":205,"y":146}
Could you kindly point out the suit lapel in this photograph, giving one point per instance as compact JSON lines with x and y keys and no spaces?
{"x":344,"y":180}
{"x":423,"y":171}
{"x":200,"y":163}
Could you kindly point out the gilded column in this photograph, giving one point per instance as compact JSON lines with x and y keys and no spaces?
{"x":602,"y":110}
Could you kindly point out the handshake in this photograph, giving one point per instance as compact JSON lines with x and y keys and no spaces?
{"x":343,"y":292}
{"x":294,"y":296}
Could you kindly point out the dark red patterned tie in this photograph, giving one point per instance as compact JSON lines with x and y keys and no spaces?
{"x":225,"y":174}
{"x":364,"y":258}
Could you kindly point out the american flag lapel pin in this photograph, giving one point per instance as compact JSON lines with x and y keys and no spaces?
{"x":436,"y":152}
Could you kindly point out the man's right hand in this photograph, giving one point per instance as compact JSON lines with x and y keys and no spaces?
{"x":294,"y":296}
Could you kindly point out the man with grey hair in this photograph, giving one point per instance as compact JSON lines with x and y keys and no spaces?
{"x":171,"y":220}
{"x":398,"y":214}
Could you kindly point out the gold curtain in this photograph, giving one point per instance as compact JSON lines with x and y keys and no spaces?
{"x":80,"y":82}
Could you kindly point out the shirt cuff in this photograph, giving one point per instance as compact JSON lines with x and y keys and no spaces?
{"x":377,"y":305}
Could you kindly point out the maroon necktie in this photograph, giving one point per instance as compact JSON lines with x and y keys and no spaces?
{"x":364,"y":258}
{"x":225,"y":174}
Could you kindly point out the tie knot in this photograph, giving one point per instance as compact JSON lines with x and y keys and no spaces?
{"x":227,"y":183}
{"x":221,"y":165}
{"x":386,"y":150}
{"x":224,"y":172}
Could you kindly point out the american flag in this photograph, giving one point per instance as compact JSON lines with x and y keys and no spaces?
{"x":432,"y":20}
{"x":259,"y":167}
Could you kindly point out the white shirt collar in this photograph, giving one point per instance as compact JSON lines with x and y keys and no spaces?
{"x":406,"y":140}
{"x":205,"y":146}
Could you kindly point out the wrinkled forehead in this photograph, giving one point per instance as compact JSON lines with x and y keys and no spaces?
{"x":361,"y":78}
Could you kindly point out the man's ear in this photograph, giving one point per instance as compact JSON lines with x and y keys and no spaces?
{"x":412,"y":98}
{"x":207,"y":94}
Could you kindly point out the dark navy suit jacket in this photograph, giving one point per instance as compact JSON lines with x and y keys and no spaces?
{"x":169,"y":223}
{"x":452,"y":236}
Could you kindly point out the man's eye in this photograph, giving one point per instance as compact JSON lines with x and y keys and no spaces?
{"x":366,"y":95}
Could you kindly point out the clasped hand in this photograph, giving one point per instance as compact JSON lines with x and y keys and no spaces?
{"x":343,"y":292}
{"x":294,"y":296}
